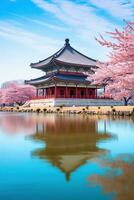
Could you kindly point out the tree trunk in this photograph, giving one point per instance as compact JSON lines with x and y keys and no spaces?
{"x":126,"y":100}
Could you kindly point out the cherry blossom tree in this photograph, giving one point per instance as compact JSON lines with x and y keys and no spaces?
{"x":16,"y":93}
{"x":118,"y":72}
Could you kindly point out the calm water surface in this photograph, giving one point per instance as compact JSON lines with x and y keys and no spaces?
{"x":62,"y":157}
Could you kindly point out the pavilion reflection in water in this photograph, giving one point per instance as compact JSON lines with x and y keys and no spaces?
{"x":69,"y":141}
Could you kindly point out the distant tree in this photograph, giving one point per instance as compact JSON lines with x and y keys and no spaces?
{"x":6,"y":84}
{"x":118,"y":72}
{"x":16,"y":93}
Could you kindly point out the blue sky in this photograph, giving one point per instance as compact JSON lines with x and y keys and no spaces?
{"x":31,"y":30}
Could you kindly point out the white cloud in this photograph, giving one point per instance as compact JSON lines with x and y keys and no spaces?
{"x":48,"y":25}
{"x":42,"y":22}
{"x":28,"y":47}
{"x":86,"y":20}
{"x":82,"y":19}
{"x":123,"y":9}
{"x":27,"y":38}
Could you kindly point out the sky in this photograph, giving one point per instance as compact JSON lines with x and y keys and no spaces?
{"x":32,"y":30}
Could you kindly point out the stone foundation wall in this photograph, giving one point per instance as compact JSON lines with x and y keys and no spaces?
{"x":75,"y":102}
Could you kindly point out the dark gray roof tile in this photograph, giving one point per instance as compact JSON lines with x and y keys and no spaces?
{"x":64,"y":77}
{"x":66,"y":55}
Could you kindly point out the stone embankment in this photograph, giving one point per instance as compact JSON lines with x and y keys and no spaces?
{"x":94,"y":110}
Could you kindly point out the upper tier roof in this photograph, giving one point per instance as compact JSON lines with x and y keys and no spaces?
{"x":66,"y":56}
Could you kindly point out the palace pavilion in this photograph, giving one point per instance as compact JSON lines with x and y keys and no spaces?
{"x":65,"y":81}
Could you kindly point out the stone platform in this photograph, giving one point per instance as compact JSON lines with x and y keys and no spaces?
{"x":74,"y":102}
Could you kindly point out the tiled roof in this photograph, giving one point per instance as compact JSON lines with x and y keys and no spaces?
{"x":64,"y":77}
{"x":66,"y":55}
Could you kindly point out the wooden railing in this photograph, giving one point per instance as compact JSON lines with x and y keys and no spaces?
{"x":68,"y":97}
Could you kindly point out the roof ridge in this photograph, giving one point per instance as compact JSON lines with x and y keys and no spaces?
{"x":63,"y":49}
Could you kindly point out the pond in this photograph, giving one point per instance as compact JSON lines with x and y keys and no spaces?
{"x":66,"y":157}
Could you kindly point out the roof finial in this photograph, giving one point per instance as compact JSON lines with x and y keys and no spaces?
{"x":67,"y":41}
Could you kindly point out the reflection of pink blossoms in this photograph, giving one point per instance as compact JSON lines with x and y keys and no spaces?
{"x":16,"y":93}
{"x":17,"y":123}
{"x":118,"y":71}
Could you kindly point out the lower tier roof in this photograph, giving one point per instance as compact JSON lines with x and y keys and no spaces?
{"x":57,"y":76}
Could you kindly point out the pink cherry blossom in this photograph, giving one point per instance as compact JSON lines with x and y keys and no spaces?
{"x":16,"y":93}
{"x":118,"y":71}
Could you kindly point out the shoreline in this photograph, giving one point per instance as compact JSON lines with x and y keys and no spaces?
{"x":87,"y":110}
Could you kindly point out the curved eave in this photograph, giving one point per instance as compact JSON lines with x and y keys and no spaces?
{"x":75,"y":81}
{"x":37,"y":81}
{"x":55,"y":62}
{"x":74,"y":64}
{"x":35,"y":66}
{"x":50,"y":58}
{"x":54,"y":78}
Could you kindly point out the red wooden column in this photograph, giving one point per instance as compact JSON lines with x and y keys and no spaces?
{"x":76,"y":91}
{"x":49,"y":92}
{"x":86,"y":92}
{"x":96,"y":92}
{"x":37,"y":92}
{"x":46,"y":92}
{"x":66,"y":93}
{"x":55,"y":91}
{"x":43,"y":91}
